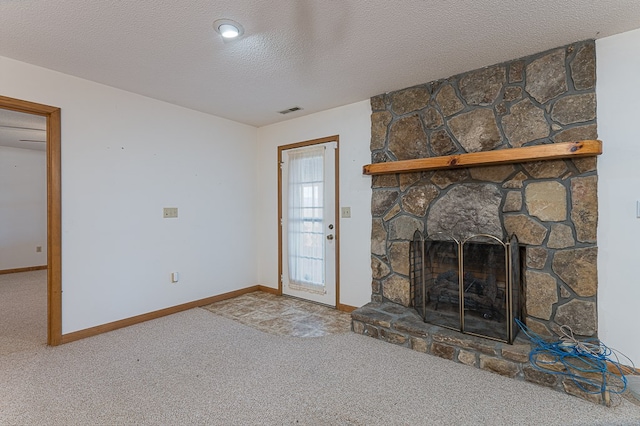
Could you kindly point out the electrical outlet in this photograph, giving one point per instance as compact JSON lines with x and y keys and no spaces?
{"x":346,"y":212}
{"x":169,"y":212}
{"x":38,"y":249}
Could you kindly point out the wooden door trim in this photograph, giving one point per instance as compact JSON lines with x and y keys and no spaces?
{"x":54,"y":217}
{"x":281,"y":148}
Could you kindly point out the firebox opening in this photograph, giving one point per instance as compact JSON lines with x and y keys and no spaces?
{"x":472,"y":286}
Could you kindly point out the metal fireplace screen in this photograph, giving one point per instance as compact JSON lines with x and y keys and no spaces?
{"x":471,"y":286}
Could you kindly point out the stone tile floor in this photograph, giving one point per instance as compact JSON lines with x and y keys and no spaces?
{"x":282,"y":315}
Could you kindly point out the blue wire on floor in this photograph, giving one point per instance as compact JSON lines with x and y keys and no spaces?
{"x":588,"y":363}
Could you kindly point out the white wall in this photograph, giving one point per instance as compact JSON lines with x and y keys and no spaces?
{"x":618,"y":91}
{"x":124,"y":158}
{"x":23,"y":208}
{"x":353,"y":124}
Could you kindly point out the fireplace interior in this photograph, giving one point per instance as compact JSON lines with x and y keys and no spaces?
{"x":472,"y":286}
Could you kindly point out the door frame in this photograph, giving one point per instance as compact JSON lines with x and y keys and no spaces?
{"x":54,"y":216}
{"x":282,"y":148}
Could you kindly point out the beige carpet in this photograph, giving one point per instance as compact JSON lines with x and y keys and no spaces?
{"x":23,"y":311}
{"x":196,"y":367}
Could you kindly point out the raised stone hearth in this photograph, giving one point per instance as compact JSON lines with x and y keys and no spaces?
{"x":403,"y":326}
{"x":551,"y":206}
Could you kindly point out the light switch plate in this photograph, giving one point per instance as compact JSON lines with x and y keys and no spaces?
{"x":169,"y":212}
{"x":638,"y":209}
{"x":346,"y":212}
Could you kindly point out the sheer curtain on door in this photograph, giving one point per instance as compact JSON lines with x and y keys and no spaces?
{"x":306,"y":229}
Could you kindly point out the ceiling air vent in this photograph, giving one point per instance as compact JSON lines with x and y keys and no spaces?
{"x":287,"y":111}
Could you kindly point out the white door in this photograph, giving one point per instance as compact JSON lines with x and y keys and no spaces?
{"x":308,"y":222}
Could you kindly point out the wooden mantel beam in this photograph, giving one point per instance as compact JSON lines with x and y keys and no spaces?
{"x":587,"y":148}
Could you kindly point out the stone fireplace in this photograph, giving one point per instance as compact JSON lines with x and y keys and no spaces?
{"x":550,"y":206}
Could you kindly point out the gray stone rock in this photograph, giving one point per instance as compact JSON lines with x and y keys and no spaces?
{"x":378,"y":103}
{"x":379,"y":269}
{"x":574,"y":109}
{"x":546,"y":76}
{"x":393,"y":212}
{"x":384,"y":181}
{"x":585,"y":164}
{"x":445,"y":178}
{"x":482,"y":87}
{"x":448,"y":101}
{"x":467,"y":357}
{"x":396,"y":289}
{"x":375,"y":286}
{"x":580,"y":315}
{"x":525,"y":123}
{"x":578,"y":268}
{"x":476,"y":130}
{"x":407,"y":139}
{"x":512,"y":93}
{"x":492,"y":173}
{"x":467,"y":209}
{"x":515,"y":71}
{"x":512,"y":202}
{"x":561,"y":236}
{"x":409,"y":100}
{"x":546,"y":200}
{"x":378,"y":238}
{"x":379,"y":122}
{"x":442,"y":351}
{"x":417,"y":199}
{"x":441,"y":143}
{"x":381,"y":200}
{"x":419,"y":345}
{"x":545,"y":169}
{"x":588,"y":132}
{"x":392,"y":337}
{"x":541,"y":294}
{"x":403,"y":227}
{"x":368,"y":315}
{"x":540,"y":377}
{"x":538,"y":327}
{"x":584,"y":204}
{"x":528,"y":230}
{"x":516,"y":182}
{"x":432,"y":118}
{"x":516,"y":352}
{"x":408,"y":179}
{"x":536,"y":257}
{"x":499,"y":366}
{"x":572,"y":388}
{"x":583,"y":67}
{"x":379,"y":157}
{"x":399,"y":257}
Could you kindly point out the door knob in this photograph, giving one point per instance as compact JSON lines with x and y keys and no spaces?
{"x":330,"y":237}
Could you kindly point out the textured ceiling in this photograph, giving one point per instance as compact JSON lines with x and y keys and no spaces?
{"x":316,"y":54}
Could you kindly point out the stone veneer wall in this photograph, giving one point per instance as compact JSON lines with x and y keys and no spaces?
{"x":550,"y":205}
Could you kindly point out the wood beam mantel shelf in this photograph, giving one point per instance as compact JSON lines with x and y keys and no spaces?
{"x":554,"y":151}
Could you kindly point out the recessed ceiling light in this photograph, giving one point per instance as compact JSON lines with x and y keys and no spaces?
{"x":228,"y":28}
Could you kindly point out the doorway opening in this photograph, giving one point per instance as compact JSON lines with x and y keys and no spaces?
{"x":308,"y":237}
{"x":54,"y":238}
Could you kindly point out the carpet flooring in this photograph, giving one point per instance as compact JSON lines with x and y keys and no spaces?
{"x":200,"y":368}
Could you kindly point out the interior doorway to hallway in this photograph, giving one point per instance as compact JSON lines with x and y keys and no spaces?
{"x":53,"y":243}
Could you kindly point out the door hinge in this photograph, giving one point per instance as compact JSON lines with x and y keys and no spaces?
{"x":282,"y":278}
